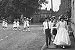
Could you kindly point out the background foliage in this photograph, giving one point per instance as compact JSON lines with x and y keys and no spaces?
{"x":14,"y":8}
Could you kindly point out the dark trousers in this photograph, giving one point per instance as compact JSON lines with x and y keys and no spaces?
{"x":54,"y":31}
{"x":48,"y":36}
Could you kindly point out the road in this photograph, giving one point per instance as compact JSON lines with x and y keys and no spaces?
{"x":22,"y":40}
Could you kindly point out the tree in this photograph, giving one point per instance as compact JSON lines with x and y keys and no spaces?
{"x":3,"y":4}
{"x":27,"y":7}
{"x":15,"y":8}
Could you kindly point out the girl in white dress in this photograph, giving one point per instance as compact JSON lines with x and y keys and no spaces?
{"x":4,"y":24}
{"x":24,"y":24}
{"x":15,"y":25}
{"x":27,"y":25}
{"x":18,"y":26}
{"x":62,"y":36}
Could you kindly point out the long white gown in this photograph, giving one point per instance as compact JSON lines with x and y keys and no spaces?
{"x":62,"y":36}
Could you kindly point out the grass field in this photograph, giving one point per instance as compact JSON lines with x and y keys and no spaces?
{"x":21,"y":40}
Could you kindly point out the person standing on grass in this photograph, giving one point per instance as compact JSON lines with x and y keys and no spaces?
{"x":4,"y":24}
{"x":24,"y":23}
{"x":47,"y":30}
{"x":27,"y":25}
{"x":18,"y":24}
{"x":15,"y":24}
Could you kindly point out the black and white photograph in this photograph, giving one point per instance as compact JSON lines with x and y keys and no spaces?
{"x":37,"y":24}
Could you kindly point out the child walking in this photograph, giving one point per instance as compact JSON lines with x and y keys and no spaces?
{"x":15,"y":24}
{"x":4,"y":24}
{"x":18,"y":26}
{"x":27,"y":25}
{"x":24,"y":23}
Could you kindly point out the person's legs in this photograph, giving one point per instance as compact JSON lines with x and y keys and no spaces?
{"x":46,"y":32}
{"x":19,"y":28}
{"x":15,"y":28}
{"x":49,"y":36}
{"x":6,"y":27}
{"x":62,"y":46}
{"x":3,"y":28}
{"x":74,"y":39}
{"x":25,"y":28}
{"x":28,"y":28}
{"x":73,"y":34}
{"x":54,"y":34}
{"x":47,"y":41}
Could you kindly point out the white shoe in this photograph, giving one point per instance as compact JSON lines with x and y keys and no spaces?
{"x":63,"y":47}
{"x":3,"y":28}
{"x":15,"y":29}
{"x":26,"y":30}
{"x":19,"y":29}
{"x":23,"y":30}
{"x":29,"y":30}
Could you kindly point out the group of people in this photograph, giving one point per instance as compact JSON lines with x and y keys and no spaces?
{"x":56,"y":31}
{"x":16,"y":24}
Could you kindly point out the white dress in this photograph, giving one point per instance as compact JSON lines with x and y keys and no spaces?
{"x":17,"y":24}
{"x":24,"y":24}
{"x":27,"y":23}
{"x":14,"y":24}
{"x":4,"y":24}
{"x":62,"y":36}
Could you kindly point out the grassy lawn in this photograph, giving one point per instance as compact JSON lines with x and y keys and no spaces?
{"x":21,"y":40}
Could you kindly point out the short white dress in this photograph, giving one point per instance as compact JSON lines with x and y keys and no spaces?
{"x":14,"y":24}
{"x":18,"y":24}
{"x":24,"y":24}
{"x":4,"y":24}
{"x":27,"y":23}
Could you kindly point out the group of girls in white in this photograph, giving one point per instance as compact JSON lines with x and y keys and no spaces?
{"x":16,"y":24}
{"x":58,"y":32}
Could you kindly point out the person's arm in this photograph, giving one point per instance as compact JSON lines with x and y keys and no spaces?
{"x":51,"y":25}
{"x":66,"y":26}
{"x":2,"y":23}
{"x":28,"y":22}
{"x":43,"y":26}
{"x":54,"y":27}
{"x":43,"y":29}
{"x":57,"y":25}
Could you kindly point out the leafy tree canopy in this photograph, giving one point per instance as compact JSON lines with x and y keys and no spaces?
{"x":15,"y":8}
